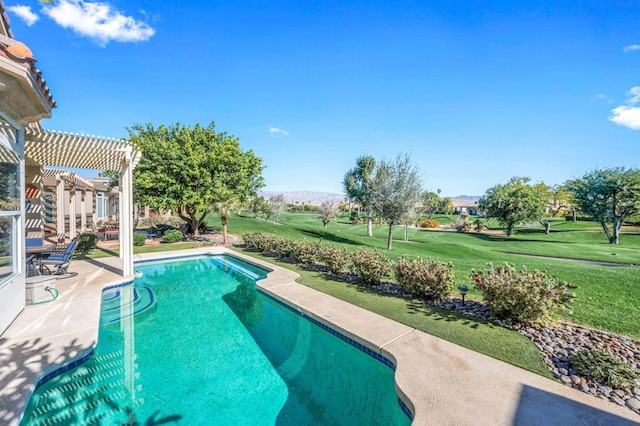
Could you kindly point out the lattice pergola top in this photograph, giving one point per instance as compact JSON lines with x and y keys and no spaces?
{"x":70,"y":178}
{"x":62,"y":149}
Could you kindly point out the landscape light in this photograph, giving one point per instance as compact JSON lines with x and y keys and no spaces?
{"x":463,"y":291}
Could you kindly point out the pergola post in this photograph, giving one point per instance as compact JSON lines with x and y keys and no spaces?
{"x":60,"y":228}
{"x":83,"y":212}
{"x":126,"y":214}
{"x":72,"y":212}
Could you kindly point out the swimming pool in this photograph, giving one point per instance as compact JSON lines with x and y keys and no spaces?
{"x":203,"y":346}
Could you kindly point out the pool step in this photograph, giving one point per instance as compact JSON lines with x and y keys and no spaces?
{"x":93,"y":393}
{"x":143,"y":300}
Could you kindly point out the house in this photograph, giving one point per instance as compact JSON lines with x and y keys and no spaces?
{"x":25,"y":150}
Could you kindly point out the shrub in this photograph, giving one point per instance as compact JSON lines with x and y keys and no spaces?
{"x":284,"y":247}
{"x":259,"y":241}
{"x":478,"y":226}
{"x":424,"y":278}
{"x":461,"y":223}
{"x":429,"y":223}
{"x":87,"y":242}
{"x":172,"y":235}
{"x":521,"y":296}
{"x":334,"y":257}
{"x":371,"y":266}
{"x":250,"y":239}
{"x":354,"y":217}
{"x":139,"y":239}
{"x":164,"y":227}
{"x":306,"y":252}
{"x":603,"y":367}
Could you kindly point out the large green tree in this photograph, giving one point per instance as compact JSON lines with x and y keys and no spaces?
{"x":514,"y":203}
{"x":357,"y":185}
{"x":396,"y":191}
{"x":184,"y":168}
{"x":609,"y":196}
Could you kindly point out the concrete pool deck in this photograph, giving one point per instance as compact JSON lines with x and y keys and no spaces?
{"x":442,"y":383}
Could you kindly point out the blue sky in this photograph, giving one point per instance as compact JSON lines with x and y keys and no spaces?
{"x":476,"y":92}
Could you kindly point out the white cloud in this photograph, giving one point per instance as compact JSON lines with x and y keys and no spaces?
{"x":628,"y":115}
{"x":602,"y":97}
{"x":631,"y":48}
{"x":98,"y":21}
{"x":275,"y":131}
{"x":24,"y":13}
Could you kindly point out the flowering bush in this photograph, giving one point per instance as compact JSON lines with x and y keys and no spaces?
{"x":521,"y":296}
{"x":429,"y":223}
{"x":306,"y":252}
{"x":334,"y":257}
{"x":371,"y":266}
{"x":424,"y":278}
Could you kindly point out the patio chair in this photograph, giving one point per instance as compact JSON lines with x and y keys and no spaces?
{"x":59,"y":260}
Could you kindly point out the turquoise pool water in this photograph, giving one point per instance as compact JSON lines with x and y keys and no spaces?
{"x":203,"y":347}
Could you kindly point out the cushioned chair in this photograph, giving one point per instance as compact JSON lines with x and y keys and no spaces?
{"x":59,"y":260}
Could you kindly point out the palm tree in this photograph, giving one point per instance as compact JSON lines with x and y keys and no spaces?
{"x":225,"y":202}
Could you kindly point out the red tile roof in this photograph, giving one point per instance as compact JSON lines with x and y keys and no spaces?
{"x":20,"y":54}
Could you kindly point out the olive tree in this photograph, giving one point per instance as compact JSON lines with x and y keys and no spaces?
{"x":357,"y":186}
{"x":396,"y":191}
{"x":514,"y":203}
{"x":327,"y":212}
{"x":183,"y":168}
{"x":609,"y":196}
{"x":276,"y":206}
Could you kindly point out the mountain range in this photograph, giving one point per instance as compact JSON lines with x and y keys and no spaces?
{"x":316,"y":198}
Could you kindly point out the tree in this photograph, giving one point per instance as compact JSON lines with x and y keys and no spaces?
{"x":609,"y":196}
{"x":276,"y":206}
{"x":182,"y":168}
{"x":513,"y":203}
{"x":396,"y":191}
{"x":548,"y":193}
{"x":326,"y":212}
{"x":357,"y":185}
{"x":225,"y":202}
{"x":432,"y":203}
{"x":257,"y":205}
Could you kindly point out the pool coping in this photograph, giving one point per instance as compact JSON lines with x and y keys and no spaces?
{"x":440,"y":382}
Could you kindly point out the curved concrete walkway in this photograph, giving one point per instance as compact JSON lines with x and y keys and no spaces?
{"x":442,"y":383}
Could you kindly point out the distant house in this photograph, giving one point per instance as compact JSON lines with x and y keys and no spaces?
{"x":469,"y":207}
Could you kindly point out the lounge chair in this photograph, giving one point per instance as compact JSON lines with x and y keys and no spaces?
{"x":59,"y":260}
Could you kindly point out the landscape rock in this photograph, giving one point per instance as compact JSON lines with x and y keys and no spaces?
{"x":633,"y":403}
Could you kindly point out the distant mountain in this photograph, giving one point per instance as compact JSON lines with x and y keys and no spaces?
{"x":304,"y":197}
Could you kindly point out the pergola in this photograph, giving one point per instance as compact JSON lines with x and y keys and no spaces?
{"x":68,"y":150}
{"x":61,"y":179}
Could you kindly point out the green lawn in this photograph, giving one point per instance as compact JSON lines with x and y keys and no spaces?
{"x":606,"y":297}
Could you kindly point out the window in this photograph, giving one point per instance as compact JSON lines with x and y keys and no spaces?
{"x":101,"y":206}
{"x":9,"y":210}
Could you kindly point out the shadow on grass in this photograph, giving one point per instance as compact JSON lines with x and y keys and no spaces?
{"x":515,"y":239}
{"x":329,"y":237}
{"x":414,"y":306}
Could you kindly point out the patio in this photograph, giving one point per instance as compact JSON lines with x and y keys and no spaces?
{"x":443,"y":383}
